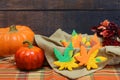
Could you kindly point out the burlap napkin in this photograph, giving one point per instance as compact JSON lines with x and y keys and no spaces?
{"x":113,"y":54}
{"x":48,"y":43}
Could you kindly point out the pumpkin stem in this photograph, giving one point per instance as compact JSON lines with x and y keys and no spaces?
{"x":13,"y":28}
{"x":29,"y":43}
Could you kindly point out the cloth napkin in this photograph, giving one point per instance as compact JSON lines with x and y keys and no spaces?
{"x":48,"y":43}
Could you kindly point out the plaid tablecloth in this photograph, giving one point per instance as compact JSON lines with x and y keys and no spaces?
{"x":8,"y":71}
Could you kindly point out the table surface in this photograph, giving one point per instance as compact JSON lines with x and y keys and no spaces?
{"x":8,"y":71}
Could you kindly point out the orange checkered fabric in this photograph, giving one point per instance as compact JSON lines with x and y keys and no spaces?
{"x":8,"y":71}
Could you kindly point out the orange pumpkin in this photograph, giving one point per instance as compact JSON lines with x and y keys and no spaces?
{"x":29,"y":57}
{"x":11,"y":38}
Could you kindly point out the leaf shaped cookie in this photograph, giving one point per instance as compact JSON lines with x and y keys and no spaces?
{"x":75,"y":39}
{"x":88,"y":57}
{"x":65,"y":61}
{"x":64,"y":43}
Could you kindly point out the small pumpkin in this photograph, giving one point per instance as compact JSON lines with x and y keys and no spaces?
{"x":29,"y":57}
{"x":11,"y":38}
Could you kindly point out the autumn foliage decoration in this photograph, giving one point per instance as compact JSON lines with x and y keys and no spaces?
{"x":109,"y":32}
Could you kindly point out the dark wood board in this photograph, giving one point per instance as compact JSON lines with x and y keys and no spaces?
{"x":47,"y":22}
{"x":59,"y":4}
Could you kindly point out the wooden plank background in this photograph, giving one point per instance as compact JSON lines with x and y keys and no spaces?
{"x":46,"y":16}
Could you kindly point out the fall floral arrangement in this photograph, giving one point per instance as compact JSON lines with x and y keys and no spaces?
{"x":109,"y":32}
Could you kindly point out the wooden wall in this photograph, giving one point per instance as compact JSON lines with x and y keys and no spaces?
{"x":46,"y":16}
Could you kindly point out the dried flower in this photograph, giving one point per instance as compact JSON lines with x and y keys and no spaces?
{"x":109,"y":32}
